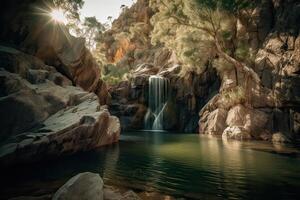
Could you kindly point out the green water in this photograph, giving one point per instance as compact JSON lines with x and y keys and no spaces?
{"x":184,"y":165}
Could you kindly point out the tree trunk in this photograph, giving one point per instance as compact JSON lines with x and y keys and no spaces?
{"x":236,"y":64}
{"x":236,"y":76}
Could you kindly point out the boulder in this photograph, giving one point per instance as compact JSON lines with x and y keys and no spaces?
{"x":296,"y":122}
{"x":74,"y":60}
{"x":114,"y":193}
{"x":130,"y":195}
{"x":145,"y":69}
{"x":252,"y":120}
{"x":111,"y":194}
{"x":280,"y":138}
{"x":77,"y":62}
{"x":236,"y":133}
{"x":214,"y":122}
{"x":84,"y":186}
{"x":76,"y":128}
{"x":131,"y":115}
{"x":45,"y":117}
{"x":170,"y":71}
{"x":60,"y":79}
{"x":102,"y":93}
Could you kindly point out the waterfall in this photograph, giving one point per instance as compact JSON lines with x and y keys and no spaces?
{"x":157,"y":100}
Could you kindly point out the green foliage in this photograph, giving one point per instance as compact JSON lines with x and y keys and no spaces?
{"x":139,"y":53}
{"x":71,"y":7}
{"x":222,"y":65}
{"x":122,"y":36}
{"x":113,"y":74}
{"x":242,"y":52}
{"x":139,"y":32}
{"x":99,"y":56}
{"x":92,"y":30}
{"x":92,"y":22}
{"x":200,"y":31}
{"x":234,"y":96}
{"x":227,"y":5}
{"x":191,"y":30}
{"x":227,"y":35}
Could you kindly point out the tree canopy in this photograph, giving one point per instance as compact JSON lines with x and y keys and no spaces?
{"x":201,"y":30}
{"x":71,"y":7}
{"x":232,"y":6}
{"x":92,"y":31}
{"x":89,"y":27}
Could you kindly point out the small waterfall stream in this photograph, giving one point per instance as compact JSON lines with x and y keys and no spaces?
{"x":159,"y":93}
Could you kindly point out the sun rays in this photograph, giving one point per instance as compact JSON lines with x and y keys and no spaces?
{"x":58,"y":16}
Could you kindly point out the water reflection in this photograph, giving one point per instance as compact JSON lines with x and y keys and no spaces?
{"x":221,"y":164}
{"x":228,"y":169}
{"x":110,"y":160}
{"x":179,"y":164}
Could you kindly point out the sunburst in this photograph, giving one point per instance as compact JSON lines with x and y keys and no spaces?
{"x":58,"y":16}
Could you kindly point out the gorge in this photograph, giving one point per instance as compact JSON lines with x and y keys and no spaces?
{"x":184,"y":99}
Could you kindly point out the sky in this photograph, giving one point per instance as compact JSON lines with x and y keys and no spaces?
{"x":101,"y":9}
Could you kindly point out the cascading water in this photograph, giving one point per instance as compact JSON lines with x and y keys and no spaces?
{"x":158,"y":99}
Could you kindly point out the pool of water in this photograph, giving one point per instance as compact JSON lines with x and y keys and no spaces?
{"x":183,"y":165}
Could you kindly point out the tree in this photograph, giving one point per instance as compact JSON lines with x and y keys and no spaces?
{"x":71,"y":9}
{"x":109,"y":18}
{"x":201,"y":30}
{"x":139,"y":33}
{"x":123,"y":8}
{"x":92,"y":31}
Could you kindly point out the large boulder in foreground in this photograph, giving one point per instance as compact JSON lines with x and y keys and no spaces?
{"x":45,"y":116}
{"x":89,"y":186}
{"x":86,"y":185}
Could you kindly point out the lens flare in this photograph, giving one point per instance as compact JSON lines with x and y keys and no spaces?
{"x":58,"y":16}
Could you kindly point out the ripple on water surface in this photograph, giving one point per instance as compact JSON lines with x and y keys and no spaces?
{"x":178,"y":164}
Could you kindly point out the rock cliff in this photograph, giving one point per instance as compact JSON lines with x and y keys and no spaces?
{"x":269,"y":110}
{"x":43,"y":115}
{"x":52,"y":98}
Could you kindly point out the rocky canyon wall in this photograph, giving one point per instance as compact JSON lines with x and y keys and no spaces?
{"x":52,"y":98}
{"x":269,"y":110}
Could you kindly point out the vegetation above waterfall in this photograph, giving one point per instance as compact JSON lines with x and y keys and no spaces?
{"x":202,"y":32}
